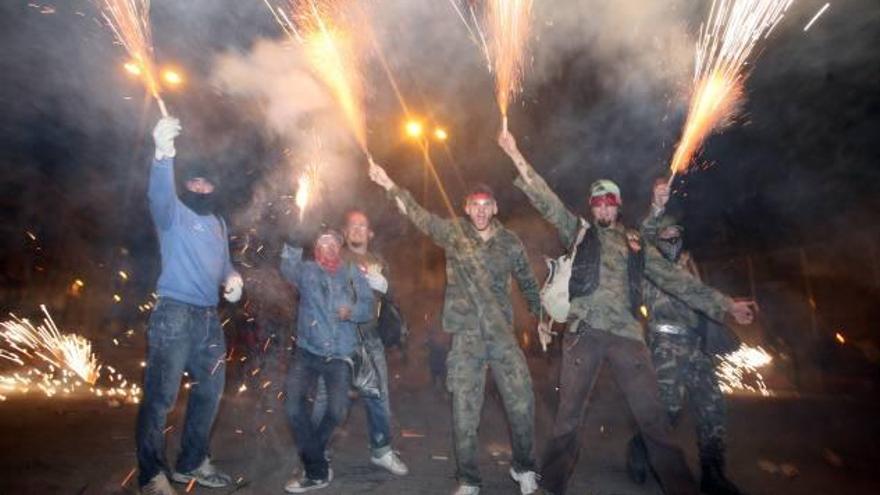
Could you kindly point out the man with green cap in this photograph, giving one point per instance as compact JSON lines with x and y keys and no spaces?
{"x":609,"y":267}
{"x":677,"y":340}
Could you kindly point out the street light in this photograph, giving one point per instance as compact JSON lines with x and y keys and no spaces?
{"x":414,"y":128}
{"x":440,"y":134}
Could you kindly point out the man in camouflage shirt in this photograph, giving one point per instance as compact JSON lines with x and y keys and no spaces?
{"x":606,"y":274}
{"x":677,"y":350}
{"x":481,"y":256}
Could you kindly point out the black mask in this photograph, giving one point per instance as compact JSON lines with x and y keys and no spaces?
{"x":670,"y":248}
{"x":201,"y":204}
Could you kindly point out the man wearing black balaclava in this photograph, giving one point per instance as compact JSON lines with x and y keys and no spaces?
{"x":679,"y":354}
{"x":184,"y":333}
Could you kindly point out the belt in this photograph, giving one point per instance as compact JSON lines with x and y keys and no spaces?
{"x":669,"y":329}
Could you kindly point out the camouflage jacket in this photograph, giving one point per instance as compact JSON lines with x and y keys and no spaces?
{"x":478,"y":272}
{"x":664,"y":308}
{"x":608,"y":307}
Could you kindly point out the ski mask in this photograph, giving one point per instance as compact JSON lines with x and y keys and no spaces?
{"x":670,"y":244}
{"x":200,"y":203}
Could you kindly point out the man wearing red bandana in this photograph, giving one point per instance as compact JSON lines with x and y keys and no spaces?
{"x":481,"y":256}
{"x":609,"y":267}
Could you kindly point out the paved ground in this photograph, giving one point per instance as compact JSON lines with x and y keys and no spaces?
{"x":791,"y":446}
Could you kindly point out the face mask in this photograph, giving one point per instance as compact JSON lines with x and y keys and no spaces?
{"x":670,"y":248}
{"x":201,"y":204}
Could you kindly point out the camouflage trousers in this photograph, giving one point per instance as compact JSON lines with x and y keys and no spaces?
{"x":684,"y":370}
{"x":468,"y":359}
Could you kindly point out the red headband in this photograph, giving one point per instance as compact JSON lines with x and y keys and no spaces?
{"x":480,"y":195}
{"x":607,"y":199}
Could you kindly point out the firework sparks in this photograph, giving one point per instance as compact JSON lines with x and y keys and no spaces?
{"x":815,"y":17}
{"x":726,"y":41}
{"x":303,"y":191}
{"x":333,"y":52}
{"x":69,"y":364}
{"x":738,"y":371}
{"x":130,"y":22}
{"x":508,"y":24}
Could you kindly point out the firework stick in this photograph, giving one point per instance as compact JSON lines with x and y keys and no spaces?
{"x":504,"y":123}
{"x":162,"y":108}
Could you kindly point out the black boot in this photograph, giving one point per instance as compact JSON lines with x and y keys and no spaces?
{"x":712,"y":480}
{"x":637,"y":459}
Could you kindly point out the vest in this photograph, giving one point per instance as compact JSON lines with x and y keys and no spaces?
{"x":585,"y":270}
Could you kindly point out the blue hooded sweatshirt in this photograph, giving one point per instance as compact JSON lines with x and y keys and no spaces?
{"x":194,"y":248}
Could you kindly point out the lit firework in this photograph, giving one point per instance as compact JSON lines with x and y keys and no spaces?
{"x":738,"y":371}
{"x":68,"y":363}
{"x":332,"y":52}
{"x":725,"y":43}
{"x":130,"y":22}
{"x":508,"y":25}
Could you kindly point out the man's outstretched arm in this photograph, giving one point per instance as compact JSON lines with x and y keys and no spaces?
{"x":539,"y":193}
{"x":441,"y":230}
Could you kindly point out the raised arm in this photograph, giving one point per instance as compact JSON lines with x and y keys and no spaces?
{"x":292,"y":263}
{"x":650,"y":227}
{"x":441,"y":230}
{"x":161,"y":192}
{"x":539,"y":193}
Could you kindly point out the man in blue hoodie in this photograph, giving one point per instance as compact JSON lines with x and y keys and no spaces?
{"x":334,"y":297}
{"x":184,"y":334}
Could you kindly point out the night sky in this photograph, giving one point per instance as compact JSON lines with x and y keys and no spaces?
{"x":605,"y":97}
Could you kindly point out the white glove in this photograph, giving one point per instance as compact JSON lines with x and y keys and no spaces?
{"x":377,"y":281}
{"x":545,"y":334}
{"x":164,"y":133}
{"x":232,"y":287}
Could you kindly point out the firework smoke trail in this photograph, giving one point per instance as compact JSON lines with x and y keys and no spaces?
{"x":130,"y":22}
{"x":332,"y":51}
{"x":726,"y":41}
{"x":508,"y":26}
{"x":737,"y":369}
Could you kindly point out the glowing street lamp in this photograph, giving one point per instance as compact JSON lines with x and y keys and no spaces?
{"x":440,"y":134}
{"x":414,"y":129}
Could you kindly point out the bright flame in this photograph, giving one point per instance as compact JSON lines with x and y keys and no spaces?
{"x":726,"y":41}
{"x":123,"y":275}
{"x":333,"y":52}
{"x":440,"y":134}
{"x":132,"y":68}
{"x":130,"y":22}
{"x":172,"y":77}
{"x":414,"y":128}
{"x":508,"y":26}
{"x":840,"y":338}
{"x":302,"y":194}
{"x":738,"y":371}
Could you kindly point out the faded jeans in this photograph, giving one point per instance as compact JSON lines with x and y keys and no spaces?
{"x":180,"y":337}
{"x":378,"y":408}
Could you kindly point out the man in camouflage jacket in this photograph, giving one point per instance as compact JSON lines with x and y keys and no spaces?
{"x":682,"y":364}
{"x":604,"y":292}
{"x":481,"y":256}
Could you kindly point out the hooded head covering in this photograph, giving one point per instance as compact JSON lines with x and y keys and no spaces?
{"x":200,"y":203}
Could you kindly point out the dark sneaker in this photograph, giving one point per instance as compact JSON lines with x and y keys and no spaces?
{"x":306,"y":484}
{"x":206,"y":475}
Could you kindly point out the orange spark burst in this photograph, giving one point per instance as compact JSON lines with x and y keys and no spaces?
{"x":333,"y":51}
{"x":726,"y":41}
{"x":508,"y":26}
{"x":130,"y":22}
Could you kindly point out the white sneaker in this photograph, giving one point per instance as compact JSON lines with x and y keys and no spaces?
{"x":391,"y":462}
{"x":528,"y":481}
{"x":206,"y":474}
{"x":467,"y":490}
{"x":159,"y":485}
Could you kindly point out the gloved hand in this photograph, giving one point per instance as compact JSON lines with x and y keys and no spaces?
{"x":545,"y":334}
{"x":164,"y":133}
{"x":377,"y":281}
{"x":232,"y":287}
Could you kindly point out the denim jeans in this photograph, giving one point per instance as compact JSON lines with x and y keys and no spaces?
{"x":311,"y":439}
{"x":378,"y":408}
{"x":180,"y":337}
